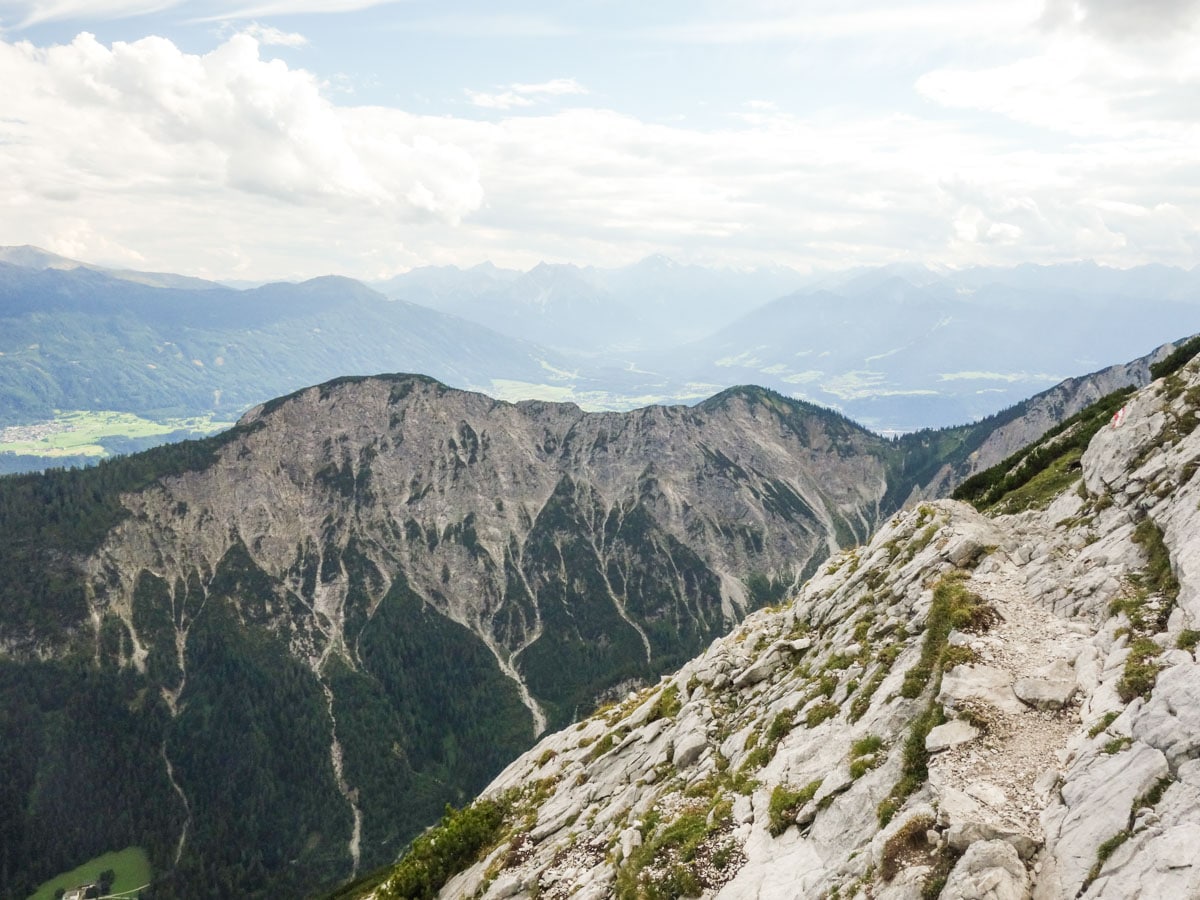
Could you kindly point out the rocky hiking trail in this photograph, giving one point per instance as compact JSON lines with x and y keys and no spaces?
{"x":1005,"y":752}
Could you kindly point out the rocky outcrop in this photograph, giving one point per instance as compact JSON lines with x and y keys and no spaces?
{"x":904,"y":726}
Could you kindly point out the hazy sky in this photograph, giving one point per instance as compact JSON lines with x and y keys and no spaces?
{"x":270,"y":138}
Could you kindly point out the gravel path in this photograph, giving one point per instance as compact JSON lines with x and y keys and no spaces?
{"x":1001,"y":768}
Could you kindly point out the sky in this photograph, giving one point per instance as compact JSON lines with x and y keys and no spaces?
{"x":256,"y":139}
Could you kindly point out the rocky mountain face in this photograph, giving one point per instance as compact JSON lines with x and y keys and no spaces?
{"x":1000,"y":706}
{"x":289,"y":646}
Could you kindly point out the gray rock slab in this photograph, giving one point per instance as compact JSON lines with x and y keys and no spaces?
{"x":1170,"y":720}
{"x":1098,"y":793}
{"x":1052,"y":688}
{"x":688,"y":748}
{"x":951,"y":734}
{"x":982,"y":683}
{"x":989,"y":870}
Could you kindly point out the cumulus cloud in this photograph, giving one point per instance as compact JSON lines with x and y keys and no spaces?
{"x":519,"y":95}
{"x":147,"y":116}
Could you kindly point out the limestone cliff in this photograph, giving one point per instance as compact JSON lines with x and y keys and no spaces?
{"x":1003,"y":706}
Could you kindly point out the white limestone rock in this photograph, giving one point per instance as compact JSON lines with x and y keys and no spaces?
{"x":986,"y":684}
{"x":1097,"y":794}
{"x":1051,"y":688}
{"x":951,"y":734}
{"x":688,"y":748}
{"x":1170,"y":720}
{"x":989,"y":870}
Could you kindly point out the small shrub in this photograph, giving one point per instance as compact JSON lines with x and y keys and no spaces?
{"x":780,"y":726}
{"x":915,"y":762}
{"x":666,"y":705}
{"x":862,"y":765}
{"x":819,"y":713}
{"x":862,"y":702}
{"x":785,"y":804}
{"x":1188,"y":639}
{"x":1151,"y":797}
{"x":1117,"y":744}
{"x":602,"y":746}
{"x":1103,"y":852}
{"x":872,"y":743}
{"x":1141,"y":670}
{"x":958,"y":656}
{"x":756,"y":759}
{"x":1158,"y":567}
{"x":824,"y":686}
{"x":446,"y":849}
{"x":908,"y":838}
{"x":1108,"y":719}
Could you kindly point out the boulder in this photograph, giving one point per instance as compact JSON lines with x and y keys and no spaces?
{"x":1052,"y":687}
{"x":760,"y":670}
{"x":989,"y":870}
{"x":983,"y":683}
{"x":963,"y":834}
{"x":951,"y":734}
{"x":688,"y":748}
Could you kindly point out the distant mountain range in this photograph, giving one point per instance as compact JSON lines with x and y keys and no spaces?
{"x":649,"y":306}
{"x":896,"y":348}
{"x":83,"y":338}
{"x":906,"y":347}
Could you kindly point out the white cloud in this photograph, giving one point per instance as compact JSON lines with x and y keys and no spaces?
{"x":232,"y":164}
{"x":273,"y":37}
{"x":145,"y":116}
{"x":519,"y":95}
{"x":1121,"y":21}
{"x":33,"y":12}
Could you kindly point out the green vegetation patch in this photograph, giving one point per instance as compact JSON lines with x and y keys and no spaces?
{"x":1053,"y":457}
{"x":786,"y":803}
{"x":1107,"y":719}
{"x":1159,"y":574}
{"x":1141,"y":669}
{"x":1103,"y":852}
{"x":865,"y":754}
{"x":666,"y":866}
{"x":447,"y":848}
{"x":1180,"y":357}
{"x":915,"y":762}
{"x":130,"y":869}
{"x":953,"y":607}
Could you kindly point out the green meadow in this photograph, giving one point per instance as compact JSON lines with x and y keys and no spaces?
{"x":85,"y":432}
{"x":130,"y":865}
